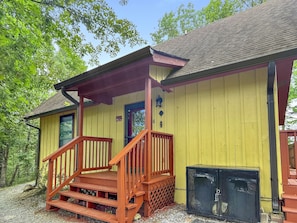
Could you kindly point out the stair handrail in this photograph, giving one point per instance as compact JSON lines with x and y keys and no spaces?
{"x":62,"y":149}
{"x":129,"y":180}
{"x":68,"y":162}
{"x":115,"y":160}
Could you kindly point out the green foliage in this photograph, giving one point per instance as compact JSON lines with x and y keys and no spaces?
{"x":186,"y":18}
{"x":42,"y":43}
{"x":176,"y":23}
{"x":291,"y":118}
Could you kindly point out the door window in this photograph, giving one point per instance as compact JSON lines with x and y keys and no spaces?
{"x":134,"y":120}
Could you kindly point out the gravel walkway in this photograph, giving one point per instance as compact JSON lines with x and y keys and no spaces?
{"x":17,"y":206}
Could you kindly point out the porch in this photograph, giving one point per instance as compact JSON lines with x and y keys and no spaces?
{"x":288,"y":146}
{"x":85,"y":180}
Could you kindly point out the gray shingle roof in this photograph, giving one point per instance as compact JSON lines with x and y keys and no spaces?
{"x":54,"y":104}
{"x":267,"y":29}
{"x":258,"y":35}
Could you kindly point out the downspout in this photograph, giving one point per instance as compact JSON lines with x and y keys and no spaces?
{"x":37,"y":151}
{"x":70,"y":98}
{"x":272,"y":136}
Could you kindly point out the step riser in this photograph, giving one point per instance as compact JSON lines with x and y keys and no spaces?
{"x":102,"y":182}
{"x":291,"y":217}
{"x":289,"y":189}
{"x":79,"y":210}
{"x":291,"y":203}
{"x":98,"y":198}
{"x":288,"y":221}
{"x":95,"y":196}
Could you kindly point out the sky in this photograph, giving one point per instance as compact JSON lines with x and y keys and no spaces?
{"x":145,"y":14}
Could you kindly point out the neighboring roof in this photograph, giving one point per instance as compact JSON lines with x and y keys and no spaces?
{"x":55,"y":104}
{"x":260,"y":34}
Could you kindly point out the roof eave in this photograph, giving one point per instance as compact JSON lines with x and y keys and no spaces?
{"x":56,"y":111}
{"x":130,"y":58}
{"x":228,"y":68}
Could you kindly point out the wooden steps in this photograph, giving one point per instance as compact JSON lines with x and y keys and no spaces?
{"x":84,"y":211}
{"x":97,"y":201}
{"x":93,"y":199}
{"x":290,"y":207}
{"x":93,"y":187}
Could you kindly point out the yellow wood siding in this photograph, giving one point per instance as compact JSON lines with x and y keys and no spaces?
{"x":49,"y":139}
{"x":218,"y":122}
{"x":159,"y":73}
{"x":101,"y":120}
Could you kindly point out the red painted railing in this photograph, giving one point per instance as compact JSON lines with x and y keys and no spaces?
{"x":148,"y":155}
{"x":288,"y":146}
{"x":162,"y":153}
{"x":140,"y":160}
{"x":80,"y":154}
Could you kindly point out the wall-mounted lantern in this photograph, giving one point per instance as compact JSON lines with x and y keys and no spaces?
{"x":159,"y":101}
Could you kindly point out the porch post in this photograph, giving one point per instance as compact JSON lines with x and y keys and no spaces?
{"x":80,"y":133}
{"x":148,"y":125}
{"x":80,"y":116}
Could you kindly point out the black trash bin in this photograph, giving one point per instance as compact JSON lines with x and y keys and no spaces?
{"x":202,"y":184}
{"x":224,"y":193}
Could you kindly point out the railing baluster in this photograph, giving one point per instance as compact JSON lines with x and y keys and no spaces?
{"x":295,"y":160}
{"x":65,"y":167}
{"x":55,"y":174}
{"x":95,"y":155}
{"x":164,"y":152}
{"x":134,"y":163}
{"x":69,"y":164}
{"x":102,"y":153}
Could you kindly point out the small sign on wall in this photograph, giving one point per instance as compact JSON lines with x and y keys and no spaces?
{"x":119,"y":118}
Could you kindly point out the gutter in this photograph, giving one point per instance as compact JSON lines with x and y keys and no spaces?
{"x":272,"y":136}
{"x":173,"y":81}
{"x":76,"y":103}
{"x":88,"y":75}
{"x":37,"y":152}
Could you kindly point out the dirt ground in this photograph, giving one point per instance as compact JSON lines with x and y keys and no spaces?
{"x":17,"y":206}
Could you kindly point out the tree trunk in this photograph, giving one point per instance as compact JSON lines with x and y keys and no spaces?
{"x":14,"y":175}
{"x":3,"y":164}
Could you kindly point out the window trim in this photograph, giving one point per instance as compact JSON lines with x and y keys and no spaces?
{"x":60,"y":121}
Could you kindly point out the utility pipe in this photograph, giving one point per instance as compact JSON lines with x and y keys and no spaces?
{"x":272,"y":135}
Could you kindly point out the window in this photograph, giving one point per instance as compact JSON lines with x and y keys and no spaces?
{"x":66,"y":129}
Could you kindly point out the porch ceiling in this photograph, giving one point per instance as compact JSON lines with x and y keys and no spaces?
{"x":103,"y":88}
{"x":121,"y":76}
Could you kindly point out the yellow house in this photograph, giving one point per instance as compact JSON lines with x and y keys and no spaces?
{"x":208,"y":103}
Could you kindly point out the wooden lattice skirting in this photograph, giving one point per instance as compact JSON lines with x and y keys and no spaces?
{"x":160,"y":193}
